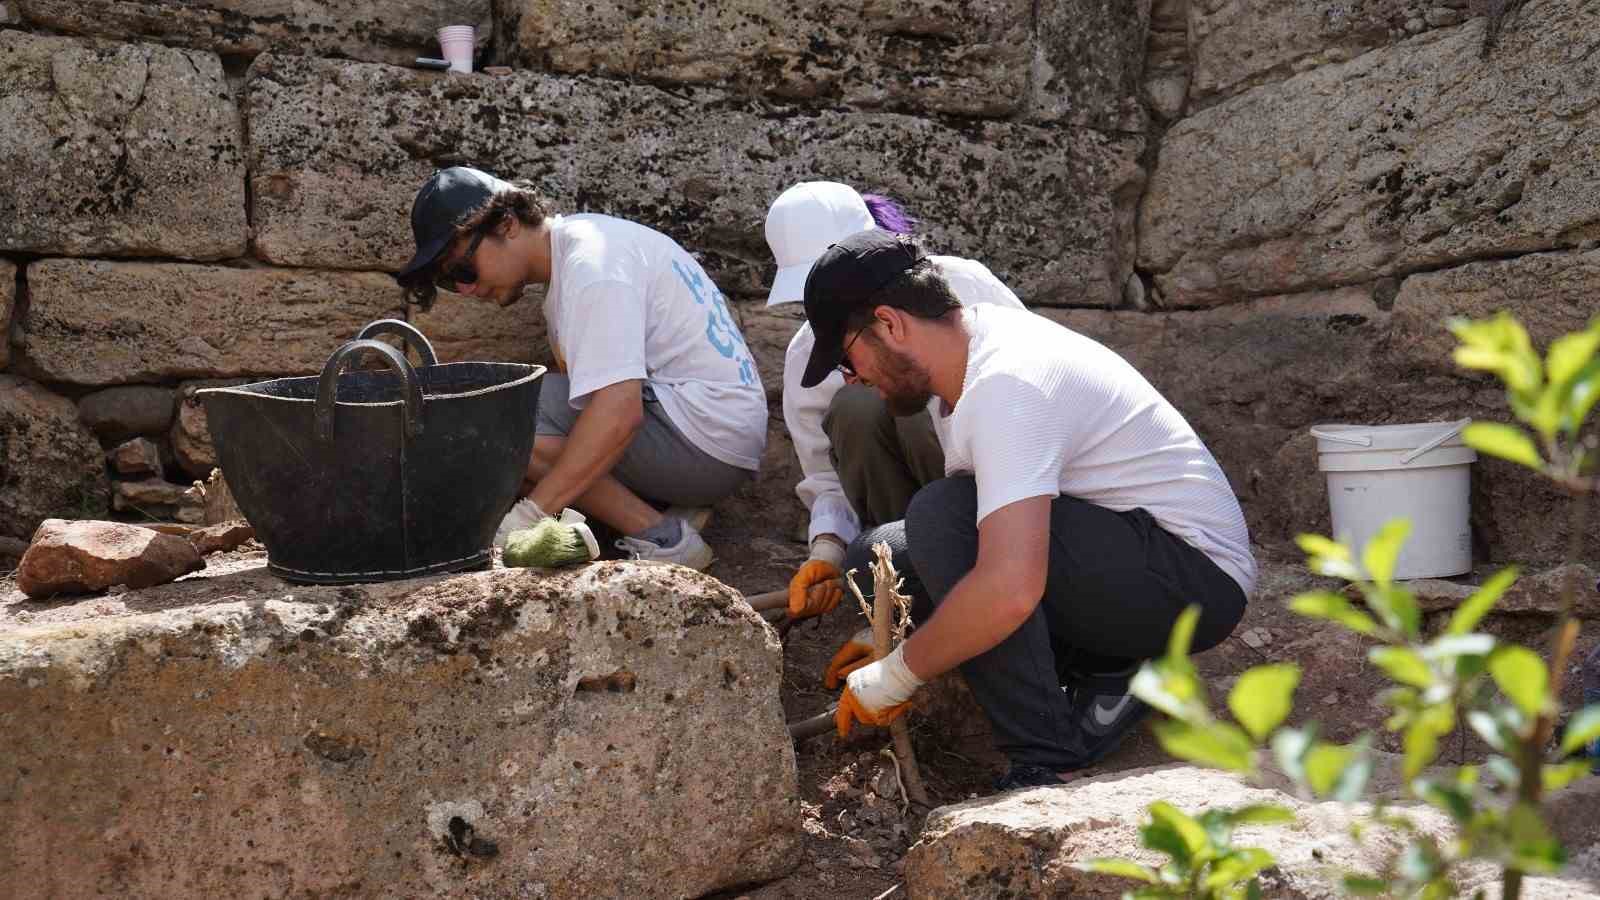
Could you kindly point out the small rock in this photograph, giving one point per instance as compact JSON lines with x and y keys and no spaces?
{"x":127,"y":411}
{"x":885,"y":785}
{"x":79,"y":557}
{"x":136,"y":457}
{"x":226,"y":536}
{"x":146,"y":494}
{"x":1256,"y":638}
{"x":1331,"y":699}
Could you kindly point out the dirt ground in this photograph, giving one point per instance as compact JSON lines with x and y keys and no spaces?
{"x":856,"y":830}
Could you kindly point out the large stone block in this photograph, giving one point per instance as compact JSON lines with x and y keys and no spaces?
{"x":94,"y":322}
{"x":8,"y":299}
{"x":50,"y":465}
{"x":1415,"y":156}
{"x":1089,"y":63}
{"x":465,"y":329}
{"x":339,"y":149}
{"x":1240,"y":44}
{"x":118,"y":150}
{"x":607,"y":731}
{"x":392,"y":31}
{"x":960,"y":57}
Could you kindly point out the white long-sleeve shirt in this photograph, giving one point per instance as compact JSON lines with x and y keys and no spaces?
{"x":804,"y":408}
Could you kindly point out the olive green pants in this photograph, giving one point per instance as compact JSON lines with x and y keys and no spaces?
{"x":882,"y":460}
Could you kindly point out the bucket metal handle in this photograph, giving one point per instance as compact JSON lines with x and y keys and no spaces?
{"x":328,"y":386}
{"x":406,"y":332}
{"x":1453,"y":429}
{"x":1359,"y":440}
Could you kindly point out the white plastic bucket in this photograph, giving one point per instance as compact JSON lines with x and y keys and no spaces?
{"x":1420,"y":472}
{"x":457,"y":43}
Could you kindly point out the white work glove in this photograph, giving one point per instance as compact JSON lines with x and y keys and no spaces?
{"x":524,"y":514}
{"x":877,"y":693}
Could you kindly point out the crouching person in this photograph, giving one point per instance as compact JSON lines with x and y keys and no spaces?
{"x":1079,"y":516}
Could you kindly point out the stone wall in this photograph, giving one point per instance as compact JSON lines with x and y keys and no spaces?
{"x":1269,"y":205}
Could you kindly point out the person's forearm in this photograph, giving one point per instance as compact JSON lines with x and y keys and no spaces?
{"x":598,"y":439}
{"x":982,"y":610}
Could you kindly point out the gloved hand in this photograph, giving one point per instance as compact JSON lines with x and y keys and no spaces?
{"x":524,"y":514}
{"x":877,"y":693}
{"x":816,"y":588}
{"x":855,"y":653}
{"x":551,"y":543}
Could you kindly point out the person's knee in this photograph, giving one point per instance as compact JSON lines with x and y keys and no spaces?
{"x":855,"y":411}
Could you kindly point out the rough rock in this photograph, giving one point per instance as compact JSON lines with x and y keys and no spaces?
{"x":1536,"y":593}
{"x":222,"y":536}
{"x":1237,"y":45}
{"x":84,"y":557}
{"x":8,"y":298}
{"x":50,"y":465}
{"x":608,"y":731}
{"x":334,"y":170}
{"x":192,"y":448}
{"x":118,"y":150}
{"x":126,"y":411}
{"x":136,"y":457}
{"x":392,"y":31}
{"x":767,"y":332}
{"x":11,"y":550}
{"x":1023,"y":844}
{"x":81,"y":327}
{"x":1415,"y":156}
{"x":152,"y":496}
{"x":463,"y":329}
{"x":1088,"y":63}
{"x":1166,"y":65}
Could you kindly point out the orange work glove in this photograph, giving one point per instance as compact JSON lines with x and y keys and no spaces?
{"x":855,"y":653}
{"x":815,"y":589}
{"x":878,"y":693}
{"x":850,"y":710}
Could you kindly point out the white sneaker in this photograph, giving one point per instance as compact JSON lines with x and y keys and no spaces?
{"x":524,"y":514}
{"x":691,"y":550}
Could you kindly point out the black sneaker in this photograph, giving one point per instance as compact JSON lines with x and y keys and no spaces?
{"x":1026,"y":776}
{"x":1104,"y":713}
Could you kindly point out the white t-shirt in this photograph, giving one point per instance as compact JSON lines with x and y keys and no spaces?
{"x":1045,"y":411}
{"x":626,"y":302}
{"x":804,"y":408}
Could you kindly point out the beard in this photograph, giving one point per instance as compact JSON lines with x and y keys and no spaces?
{"x":907,"y":391}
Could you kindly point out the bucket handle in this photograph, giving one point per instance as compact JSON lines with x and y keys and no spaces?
{"x":1450,"y":431}
{"x":406,"y":332}
{"x":1359,"y":440}
{"x":328,"y":385}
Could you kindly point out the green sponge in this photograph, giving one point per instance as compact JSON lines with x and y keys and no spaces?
{"x":552,"y":542}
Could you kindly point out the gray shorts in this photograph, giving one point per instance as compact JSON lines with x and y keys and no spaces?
{"x":660,"y":464}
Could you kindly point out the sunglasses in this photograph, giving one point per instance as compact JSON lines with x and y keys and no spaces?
{"x":462,"y":271}
{"x":844,"y":359}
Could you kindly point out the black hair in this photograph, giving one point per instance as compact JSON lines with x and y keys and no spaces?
{"x":522,"y":201}
{"x":920,"y":291}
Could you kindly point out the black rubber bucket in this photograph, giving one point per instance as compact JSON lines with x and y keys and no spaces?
{"x":377,"y":474}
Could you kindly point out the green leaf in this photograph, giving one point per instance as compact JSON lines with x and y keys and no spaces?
{"x":1365,"y":886}
{"x":1183,"y":633}
{"x":1454,"y":646}
{"x":1172,"y":687}
{"x":1585,"y":391}
{"x":1334,"y":608}
{"x":1263,"y":697}
{"x":1163,"y":838}
{"x":1491,"y":730}
{"x":1532,"y":846}
{"x":1216,"y":744}
{"x":1289,"y":748}
{"x":1569,"y":353}
{"x":1421,"y":746}
{"x":1259,"y":814}
{"x":1240,"y":865}
{"x":1504,"y":441}
{"x":1560,"y":775}
{"x":1325,"y":763}
{"x":1383,"y":550}
{"x":1317,"y":545}
{"x":1397,"y":607}
{"x":1419,"y":861}
{"x":1521,"y":676}
{"x":1122,"y":868}
{"x":1581,"y":729}
{"x":1451,"y":799}
{"x":1471,"y":612}
{"x":1505,"y":771}
{"x":1402,"y":664}
{"x":1188,"y":830}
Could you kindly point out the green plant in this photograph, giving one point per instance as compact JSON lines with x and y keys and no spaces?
{"x":1502,"y":691}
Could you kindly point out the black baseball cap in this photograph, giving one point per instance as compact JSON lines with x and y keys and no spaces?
{"x":845,"y":278}
{"x":447,"y":198}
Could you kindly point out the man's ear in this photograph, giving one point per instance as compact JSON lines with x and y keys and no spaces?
{"x":894,"y":322}
{"x":509,"y":227}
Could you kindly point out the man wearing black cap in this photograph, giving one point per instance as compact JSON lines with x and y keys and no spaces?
{"x":1079,"y":515}
{"x":657,"y":398}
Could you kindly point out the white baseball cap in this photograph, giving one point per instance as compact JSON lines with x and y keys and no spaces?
{"x":802,"y":223}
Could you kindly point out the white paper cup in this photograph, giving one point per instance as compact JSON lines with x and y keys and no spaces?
{"x":457,"y":43}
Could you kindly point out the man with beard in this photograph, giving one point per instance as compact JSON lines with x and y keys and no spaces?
{"x":1079,"y":516}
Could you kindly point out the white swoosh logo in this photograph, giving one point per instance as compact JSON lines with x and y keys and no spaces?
{"x":1106,"y":717}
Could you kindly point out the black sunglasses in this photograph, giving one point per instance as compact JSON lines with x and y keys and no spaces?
{"x":463,"y":271}
{"x":844,"y":357}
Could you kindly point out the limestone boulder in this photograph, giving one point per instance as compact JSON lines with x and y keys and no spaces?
{"x":1533,"y":593}
{"x":1167,"y":69}
{"x":607,"y":731}
{"x":1238,"y":45}
{"x":8,"y":299}
{"x":116,"y":414}
{"x":118,"y":150}
{"x":95,"y":322}
{"x":1416,"y":156}
{"x":156,"y":498}
{"x":1088,"y":63}
{"x":85,"y":557}
{"x":392,"y":31}
{"x":767,"y":331}
{"x":339,"y":149}
{"x":1024,"y":844}
{"x":220,"y":537}
{"x":139,"y":456}
{"x":50,"y":465}
{"x":472,"y":329}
